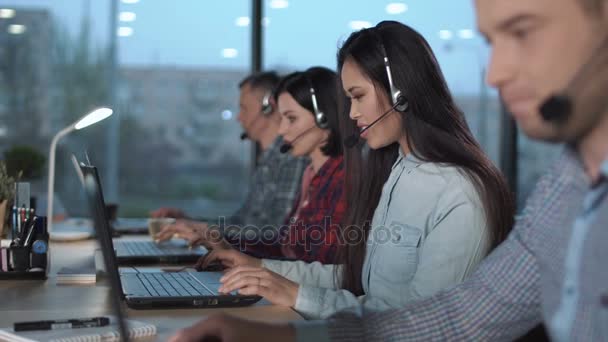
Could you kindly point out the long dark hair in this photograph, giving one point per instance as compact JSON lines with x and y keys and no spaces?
{"x":325,"y":83}
{"x":436,"y":132}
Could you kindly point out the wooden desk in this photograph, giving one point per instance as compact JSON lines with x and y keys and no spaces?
{"x":37,"y":300}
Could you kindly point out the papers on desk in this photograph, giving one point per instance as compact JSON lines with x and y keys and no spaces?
{"x":83,"y":272}
{"x":68,"y":275}
{"x":108,"y":333}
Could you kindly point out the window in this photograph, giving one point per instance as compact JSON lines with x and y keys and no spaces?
{"x":176,"y":82}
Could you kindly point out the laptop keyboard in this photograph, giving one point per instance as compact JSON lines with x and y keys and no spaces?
{"x":149,"y":248}
{"x":179,"y":284}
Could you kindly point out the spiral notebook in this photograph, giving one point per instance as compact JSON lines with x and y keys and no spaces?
{"x":108,"y":333}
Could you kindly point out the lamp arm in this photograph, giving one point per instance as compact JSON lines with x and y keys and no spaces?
{"x":51,"y":179}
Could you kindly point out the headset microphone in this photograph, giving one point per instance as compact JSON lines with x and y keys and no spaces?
{"x":353,"y":139}
{"x":286,"y":147}
{"x":584,"y":92}
{"x":556,"y":108}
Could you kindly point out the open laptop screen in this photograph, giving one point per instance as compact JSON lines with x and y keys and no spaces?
{"x":100,"y":221}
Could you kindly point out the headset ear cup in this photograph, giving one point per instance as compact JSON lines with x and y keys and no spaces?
{"x":321,"y":120}
{"x":266,"y":109}
{"x":402,"y":104}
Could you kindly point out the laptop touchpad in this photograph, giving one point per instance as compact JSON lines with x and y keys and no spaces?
{"x":211,"y":280}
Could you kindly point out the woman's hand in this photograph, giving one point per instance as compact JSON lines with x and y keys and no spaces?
{"x":168,"y":212}
{"x":228,"y":258}
{"x":195,"y":233}
{"x":248,"y":280}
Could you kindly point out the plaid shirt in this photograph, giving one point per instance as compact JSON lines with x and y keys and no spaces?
{"x":519,"y":285}
{"x":310,"y":232}
{"x":274,"y":185}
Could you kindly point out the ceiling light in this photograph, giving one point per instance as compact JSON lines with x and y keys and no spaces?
{"x":7,"y":13}
{"x":446,"y":34}
{"x":396,"y":8}
{"x":127,"y":16}
{"x":16,"y":29}
{"x":359,"y":24}
{"x":229,"y":53}
{"x":466,"y":34}
{"x":242,"y":21}
{"x":279,"y":4}
{"x":124,"y":31}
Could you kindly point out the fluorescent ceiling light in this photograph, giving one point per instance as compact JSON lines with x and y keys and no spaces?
{"x":242,"y":21}
{"x":124,"y":31}
{"x":279,"y":4}
{"x":359,"y":24}
{"x":127,"y":16}
{"x":130,"y":1}
{"x":230,"y":53}
{"x":7,"y":13}
{"x":466,"y":34}
{"x":16,"y":29}
{"x":396,"y":8}
{"x":446,"y":34}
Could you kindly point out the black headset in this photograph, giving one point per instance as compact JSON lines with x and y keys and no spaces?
{"x":320,"y":117}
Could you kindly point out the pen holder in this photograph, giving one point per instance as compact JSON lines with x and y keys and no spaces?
{"x":20,"y":258}
{"x":28,"y":260}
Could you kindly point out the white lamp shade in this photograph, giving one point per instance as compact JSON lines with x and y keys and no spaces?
{"x":93,"y":117}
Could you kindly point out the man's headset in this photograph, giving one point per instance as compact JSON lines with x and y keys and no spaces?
{"x":267,"y":107}
{"x":584,"y":93}
{"x":265,"y":110}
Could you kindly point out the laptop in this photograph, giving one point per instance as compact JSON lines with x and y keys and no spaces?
{"x":154,"y":289}
{"x":130,"y":225}
{"x":146,"y":252}
{"x":105,"y":241}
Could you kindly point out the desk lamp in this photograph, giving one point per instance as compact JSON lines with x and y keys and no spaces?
{"x":90,"y":119}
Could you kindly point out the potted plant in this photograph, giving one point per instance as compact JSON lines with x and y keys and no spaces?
{"x":7,"y":188}
{"x":24,"y":163}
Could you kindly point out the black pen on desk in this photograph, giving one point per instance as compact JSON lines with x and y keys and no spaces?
{"x":62,"y":324}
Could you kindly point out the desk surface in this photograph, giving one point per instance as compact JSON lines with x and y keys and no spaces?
{"x":37,"y":300}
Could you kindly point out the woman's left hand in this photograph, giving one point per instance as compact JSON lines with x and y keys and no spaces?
{"x":261,"y":282}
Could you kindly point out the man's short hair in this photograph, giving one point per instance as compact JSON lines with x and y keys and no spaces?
{"x":265,"y":81}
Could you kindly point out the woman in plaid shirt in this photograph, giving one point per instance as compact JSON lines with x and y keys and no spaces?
{"x":309,"y":126}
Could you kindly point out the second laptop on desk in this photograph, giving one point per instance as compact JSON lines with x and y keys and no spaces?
{"x":148,"y":252}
